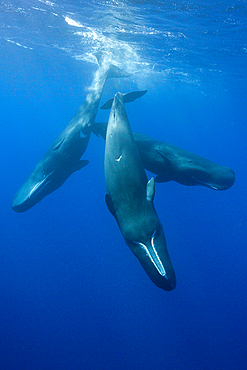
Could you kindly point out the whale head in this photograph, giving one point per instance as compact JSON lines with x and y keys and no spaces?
{"x":47,"y":177}
{"x":152,"y":253}
{"x":218,"y":178}
{"x":35,"y":188}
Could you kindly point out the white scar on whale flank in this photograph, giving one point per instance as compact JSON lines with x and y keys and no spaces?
{"x":118,"y":159}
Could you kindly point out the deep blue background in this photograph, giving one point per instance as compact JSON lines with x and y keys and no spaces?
{"x":72,"y":296}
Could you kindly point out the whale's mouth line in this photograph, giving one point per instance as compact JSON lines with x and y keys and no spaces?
{"x":205,"y":183}
{"x":39,"y":187}
{"x":153,"y":255}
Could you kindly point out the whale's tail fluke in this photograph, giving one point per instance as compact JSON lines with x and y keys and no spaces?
{"x":127,"y":98}
{"x":99,"y":128}
{"x":100,"y":57}
{"x":115,"y":72}
{"x":112,"y":70}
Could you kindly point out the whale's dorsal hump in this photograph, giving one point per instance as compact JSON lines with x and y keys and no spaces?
{"x":150,"y":190}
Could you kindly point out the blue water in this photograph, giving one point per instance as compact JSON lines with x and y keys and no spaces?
{"x":72,"y":295}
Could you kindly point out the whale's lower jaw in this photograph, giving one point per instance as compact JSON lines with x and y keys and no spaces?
{"x":26,"y":199}
{"x":152,"y":255}
{"x":160,"y":271}
{"x":165,"y":281}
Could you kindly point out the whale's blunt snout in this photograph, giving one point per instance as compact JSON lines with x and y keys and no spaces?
{"x":171,"y":285}
{"x":30,"y":194}
{"x":20,"y":204}
{"x":224,"y":179}
{"x":220,"y":178}
{"x":22,"y":201}
{"x":230,"y":178}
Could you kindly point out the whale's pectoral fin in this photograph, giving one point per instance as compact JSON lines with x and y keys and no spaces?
{"x":110,"y":204}
{"x":163,"y":178}
{"x":80,"y":164}
{"x":150,"y":190}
